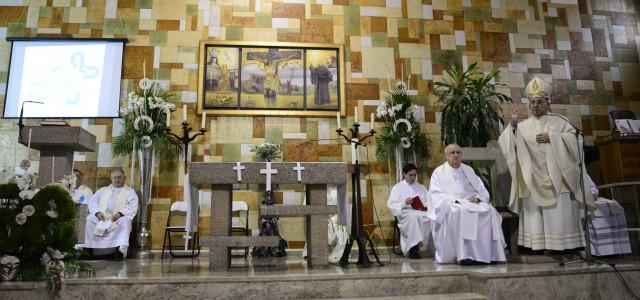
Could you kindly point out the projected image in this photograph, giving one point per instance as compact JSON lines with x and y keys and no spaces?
{"x":71,"y":78}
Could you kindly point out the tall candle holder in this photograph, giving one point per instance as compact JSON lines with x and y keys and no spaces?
{"x":357,"y":230}
{"x":186,"y":139}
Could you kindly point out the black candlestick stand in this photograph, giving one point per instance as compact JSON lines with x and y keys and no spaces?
{"x":186,"y":138}
{"x":357,"y":230}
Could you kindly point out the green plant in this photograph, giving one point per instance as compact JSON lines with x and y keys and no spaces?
{"x":145,"y":123}
{"x":266,"y":151}
{"x":400,"y":126}
{"x":472,"y":110}
{"x":37,"y":233}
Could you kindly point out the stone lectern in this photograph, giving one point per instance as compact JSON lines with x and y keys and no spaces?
{"x":222,"y":176}
{"x":56,"y":145}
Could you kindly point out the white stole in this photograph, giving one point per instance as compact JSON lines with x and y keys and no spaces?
{"x":469,"y":211}
{"x":121,"y":200}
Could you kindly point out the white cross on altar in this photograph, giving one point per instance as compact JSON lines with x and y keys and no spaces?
{"x":239,"y":169}
{"x":299,"y":169}
{"x":268,"y":171}
{"x":186,"y":238}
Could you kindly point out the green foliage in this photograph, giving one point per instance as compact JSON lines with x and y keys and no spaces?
{"x":400,"y":126}
{"x":148,"y":108}
{"x":472,"y":110}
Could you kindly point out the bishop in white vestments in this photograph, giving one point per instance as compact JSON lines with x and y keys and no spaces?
{"x":111,"y":212}
{"x":414,"y":225}
{"x":543,"y":156}
{"x":466,"y":228}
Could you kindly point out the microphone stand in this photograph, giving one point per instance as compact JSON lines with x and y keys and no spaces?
{"x":357,"y":231}
{"x":20,"y":125}
{"x":588,"y":258}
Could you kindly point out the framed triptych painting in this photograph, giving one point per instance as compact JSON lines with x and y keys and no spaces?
{"x":270,"y":79}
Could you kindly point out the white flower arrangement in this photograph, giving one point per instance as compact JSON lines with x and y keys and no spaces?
{"x":400,"y":126}
{"x":145,"y":121}
{"x":266,"y":151}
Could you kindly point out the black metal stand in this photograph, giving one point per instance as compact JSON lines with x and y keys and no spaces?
{"x":588,"y":258}
{"x":357,"y":231}
{"x":186,"y":139}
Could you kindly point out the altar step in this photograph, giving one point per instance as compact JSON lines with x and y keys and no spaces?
{"x":453,"y":296}
{"x":297,"y":210}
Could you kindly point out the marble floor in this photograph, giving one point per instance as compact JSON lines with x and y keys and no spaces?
{"x":296,"y":267}
{"x":529,"y":277}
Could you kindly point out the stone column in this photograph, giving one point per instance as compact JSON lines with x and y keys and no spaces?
{"x":221,"y":197}
{"x":316,"y":226}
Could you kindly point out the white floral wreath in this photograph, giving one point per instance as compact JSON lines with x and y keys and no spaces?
{"x":404,"y":121}
{"x":136,"y":123}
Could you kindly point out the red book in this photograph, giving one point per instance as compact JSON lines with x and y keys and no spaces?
{"x":416,"y":204}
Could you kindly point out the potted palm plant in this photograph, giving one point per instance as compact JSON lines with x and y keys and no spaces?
{"x":471,"y":113}
{"x":471,"y":117}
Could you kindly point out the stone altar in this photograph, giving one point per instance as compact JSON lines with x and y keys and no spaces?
{"x":222,"y":176}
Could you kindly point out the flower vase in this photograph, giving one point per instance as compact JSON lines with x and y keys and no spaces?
{"x":403,"y":156}
{"x":146,"y":159}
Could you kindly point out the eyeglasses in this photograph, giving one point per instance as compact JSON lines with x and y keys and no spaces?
{"x":455,"y":152}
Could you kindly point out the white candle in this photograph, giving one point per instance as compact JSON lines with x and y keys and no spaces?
{"x":29,"y":143}
{"x":168,"y":117}
{"x":371,"y":123}
{"x":184,"y":113}
{"x":402,"y":71}
{"x":204,"y":118}
{"x":355,"y":114}
{"x":144,"y":68}
{"x":388,"y":81}
{"x":338,"y":119}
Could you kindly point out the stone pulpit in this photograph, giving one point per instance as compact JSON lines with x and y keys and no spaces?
{"x":56,"y":145}
{"x":221,"y":177}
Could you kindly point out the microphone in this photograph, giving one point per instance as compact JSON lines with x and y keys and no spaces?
{"x":20,"y":125}
{"x":578,"y":130}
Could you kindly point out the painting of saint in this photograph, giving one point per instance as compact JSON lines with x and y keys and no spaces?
{"x":322,"y":79}
{"x":272,"y":78}
{"x":220,"y":76}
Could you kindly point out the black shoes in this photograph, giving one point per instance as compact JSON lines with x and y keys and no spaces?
{"x":414,"y":252}
{"x":118,"y":256}
{"x":467,"y":262}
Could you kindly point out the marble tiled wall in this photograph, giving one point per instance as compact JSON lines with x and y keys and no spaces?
{"x":589,"y":48}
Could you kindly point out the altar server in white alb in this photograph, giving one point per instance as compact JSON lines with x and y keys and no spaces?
{"x":80,"y":192}
{"x":111,"y":212}
{"x":608,"y":233}
{"x":466,"y":228}
{"x":543,"y":156}
{"x":414,"y":225}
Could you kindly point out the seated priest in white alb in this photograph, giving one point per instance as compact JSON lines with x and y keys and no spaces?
{"x":111,"y":211}
{"x":608,"y":233}
{"x":414,"y":225}
{"x":80,"y":192}
{"x":466,"y":228}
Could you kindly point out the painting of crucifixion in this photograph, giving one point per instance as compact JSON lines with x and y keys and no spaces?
{"x":272,"y":78}
{"x":280,"y":79}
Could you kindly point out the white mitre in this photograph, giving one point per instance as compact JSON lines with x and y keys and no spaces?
{"x":538,"y":88}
